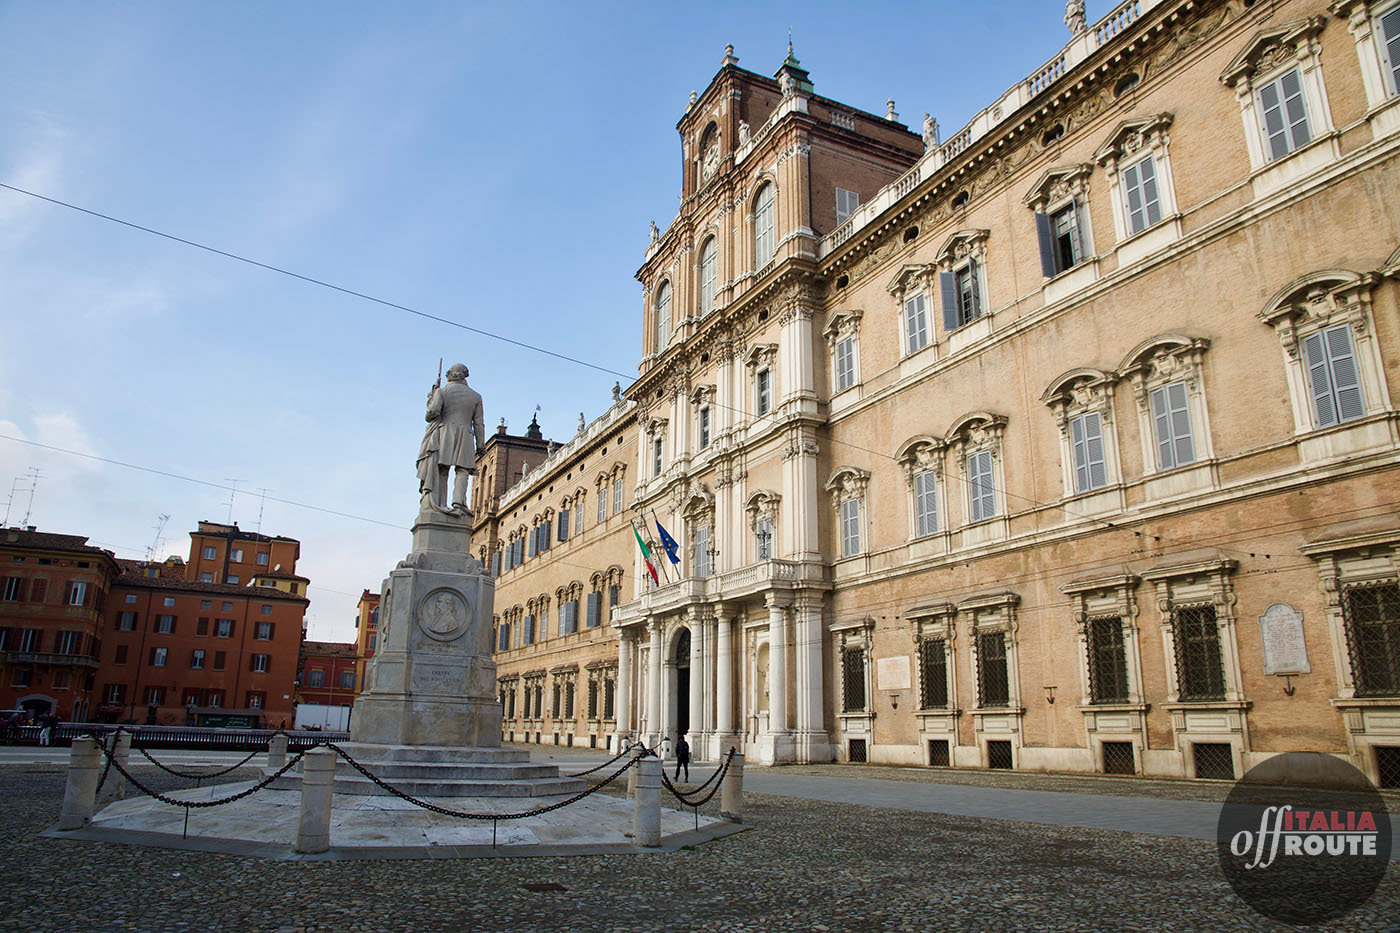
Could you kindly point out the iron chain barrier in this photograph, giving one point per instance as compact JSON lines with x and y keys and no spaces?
{"x":717,"y":778}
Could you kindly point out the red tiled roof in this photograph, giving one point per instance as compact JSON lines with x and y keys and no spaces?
{"x":329,"y":649}
{"x":133,"y":575}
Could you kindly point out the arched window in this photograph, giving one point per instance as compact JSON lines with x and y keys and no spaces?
{"x":663,"y":316}
{"x":708,"y":274}
{"x":763,"y":226}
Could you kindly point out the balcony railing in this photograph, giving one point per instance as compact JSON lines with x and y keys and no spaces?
{"x":52,"y":660}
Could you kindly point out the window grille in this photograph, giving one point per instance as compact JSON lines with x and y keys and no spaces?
{"x":855,"y":751}
{"x":938,"y":756}
{"x":1213,"y":761}
{"x":933,"y":673}
{"x":554,"y":704}
{"x":999,"y":755}
{"x":992,"y":685}
{"x":1371,"y":613}
{"x":852,"y":680}
{"x":1118,"y":758}
{"x":1108,"y":663}
{"x":1199,"y":673}
{"x":1388,"y":765}
{"x":593,"y":699}
{"x":569,"y":700}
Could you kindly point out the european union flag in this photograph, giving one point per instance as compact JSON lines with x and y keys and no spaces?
{"x":669,"y":543}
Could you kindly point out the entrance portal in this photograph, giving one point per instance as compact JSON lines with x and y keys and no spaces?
{"x":682,"y":698}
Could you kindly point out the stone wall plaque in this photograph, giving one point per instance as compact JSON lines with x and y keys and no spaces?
{"x":1285,"y":652}
{"x":443,"y":615}
{"x":892,"y":673}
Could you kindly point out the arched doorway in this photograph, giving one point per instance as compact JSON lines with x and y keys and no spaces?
{"x":681,"y":700}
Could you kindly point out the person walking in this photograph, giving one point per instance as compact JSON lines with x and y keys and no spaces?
{"x":682,"y":758}
{"x":45,"y":728}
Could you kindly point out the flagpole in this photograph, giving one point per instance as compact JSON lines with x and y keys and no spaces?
{"x":660,"y":551}
{"x":676,"y":565}
{"x":646,"y":556}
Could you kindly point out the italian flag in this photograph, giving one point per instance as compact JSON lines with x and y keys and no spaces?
{"x":646,"y":555}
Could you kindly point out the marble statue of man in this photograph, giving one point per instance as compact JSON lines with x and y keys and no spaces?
{"x":453,"y":436}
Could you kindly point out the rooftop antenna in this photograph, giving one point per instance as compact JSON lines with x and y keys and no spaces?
{"x":33,"y":484}
{"x":262,"y":500}
{"x":154,"y":549}
{"x":232,"y":491}
{"x":11,"y":501}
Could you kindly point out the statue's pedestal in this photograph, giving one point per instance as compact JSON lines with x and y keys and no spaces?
{"x":432,"y":680}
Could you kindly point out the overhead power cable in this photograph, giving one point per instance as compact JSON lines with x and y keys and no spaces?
{"x":315,"y":281}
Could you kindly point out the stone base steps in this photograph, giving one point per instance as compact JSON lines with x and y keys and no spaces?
{"x":443,"y":771}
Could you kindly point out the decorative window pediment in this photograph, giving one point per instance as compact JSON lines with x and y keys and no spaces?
{"x":913,"y":278}
{"x":762,"y":507}
{"x":932,"y":620}
{"x":847,"y":482}
{"x":1273,"y":48}
{"x":699,"y":506}
{"x":1059,"y":184}
{"x":1134,"y":135}
{"x":1332,"y":296}
{"x":761,"y":356}
{"x":977,"y":429}
{"x":921,"y":454}
{"x":702,"y":394}
{"x":1164,"y":358}
{"x":1078,"y":390}
{"x":842,"y":324}
{"x":963,"y":245}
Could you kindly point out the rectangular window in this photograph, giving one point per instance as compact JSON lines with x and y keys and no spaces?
{"x":1173,"y":421}
{"x":203,"y":603}
{"x":114,"y":693}
{"x":206,"y":578}
{"x":224,"y":628}
{"x":967,"y":296}
{"x":262,"y":558}
{"x":617,"y":494}
{"x":1086,"y":437}
{"x":763,"y":391}
{"x":126,"y":622}
{"x":158,"y":656}
{"x":1140,"y":195}
{"x":570,"y":620}
{"x":1068,"y":247}
{"x":933,"y":674}
{"x":852,"y":679}
{"x":578,"y":520}
{"x":70,"y":642}
{"x":258,"y":664}
{"x":495,"y":563}
{"x":763,"y":540}
{"x":265,"y":610}
{"x":220,"y":657}
{"x":208,"y":553}
{"x":850,"y":527}
{"x":1284,"y":113}
{"x":14,"y":589}
{"x":256,"y":699}
{"x":21,"y":677}
{"x":201,"y":626}
{"x":1390,"y":46}
{"x":1108,"y":662}
{"x":38,"y":591}
{"x":527,"y":632}
{"x":165,"y":624}
{"x":121,"y":654}
{"x":915,"y":324}
{"x":593,"y":609}
{"x":168,"y":602}
{"x":1199,"y":673}
{"x":925,"y":503}
{"x":979,"y":485}
{"x":155,"y":696}
{"x":228,"y":607}
{"x":264,"y":631}
{"x":236,"y":555}
{"x":1332,"y":376}
{"x":704,"y":439}
{"x":602,"y":504}
{"x":702,"y":552}
{"x":992,"y":684}
{"x":656,"y":456}
{"x":29,"y":641}
{"x":503,"y":637}
{"x":763,"y":228}
{"x":1371,"y":613}
{"x":197,"y":659}
{"x":233,"y":580}
{"x":845,"y":363}
{"x":78,"y":595}
{"x":315,"y":677}
{"x":347,"y":680}
{"x":214,"y":699}
{"x":614,"y":594}
{"x":130,"y":598}
{"x":373,"y":641}
{"x":846,"y":204}
{"x":563,"y":531}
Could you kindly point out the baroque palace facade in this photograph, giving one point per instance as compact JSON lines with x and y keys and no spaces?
{"x":1064,"y":443}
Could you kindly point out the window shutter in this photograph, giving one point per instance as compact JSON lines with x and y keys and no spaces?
{"x":592,"y":609}
{"x":1345,"y":381}
{"x":563,"y":524}
{"x":1296,"y":112}
{"x":1081,"y":455}
{"x":1076,"y":237}
{"x":983,"y":496}
{"x":1093,"y":439}
{"x":1161,"y":417}
{"x":1045,"y":237}
{"x":948,"y":291}
{"x":1150,"y":201}
{"x":219,"y":658}
{"x":253,"y":662}
{"x":972,"y":277}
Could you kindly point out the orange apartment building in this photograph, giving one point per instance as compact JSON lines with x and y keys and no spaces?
{"x":326,"y":684}
{"x":53,"y":590}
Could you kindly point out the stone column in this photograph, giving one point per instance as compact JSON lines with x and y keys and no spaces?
{"x":115,"y":787}
{"x":724,"y":681}
{"x":777,"y":664}
{"x":731,"y":797}
{"x":697,"y":681}
{"x":317,"y":779}
{"x":276,"y":752}
{"x":652,"y":712}
{"x":812,"y":741}
{"x":622,"y":696}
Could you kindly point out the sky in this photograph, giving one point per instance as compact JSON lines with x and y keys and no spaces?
{"x":492,"y":164}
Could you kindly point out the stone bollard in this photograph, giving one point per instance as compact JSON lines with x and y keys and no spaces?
{"x":114,"y":788}
{"x":632,"y":780}
{"x":277,"y":752}
{"x":731,"y":799}
{"x":646,"y":806}
{"x":80,"y":796}
{"x":317,"y":787}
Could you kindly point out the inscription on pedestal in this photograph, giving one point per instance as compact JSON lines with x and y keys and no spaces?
{"x":1285,"y":651}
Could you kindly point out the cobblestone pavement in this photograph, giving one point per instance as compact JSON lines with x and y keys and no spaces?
{"x":806,"y":865}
